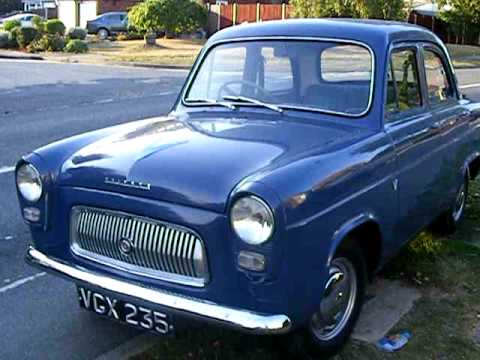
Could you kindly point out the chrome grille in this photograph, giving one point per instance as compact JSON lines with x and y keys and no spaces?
{"x":139,"y":245}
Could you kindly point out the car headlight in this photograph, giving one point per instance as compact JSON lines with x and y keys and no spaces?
{"x":29,"y":182}
{"x":252,"y":220}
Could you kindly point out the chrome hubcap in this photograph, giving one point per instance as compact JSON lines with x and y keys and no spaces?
{"x":338,"y":300}
{"x":459,"y":203}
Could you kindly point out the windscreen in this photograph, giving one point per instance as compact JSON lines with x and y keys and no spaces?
{"x":318,"y":75}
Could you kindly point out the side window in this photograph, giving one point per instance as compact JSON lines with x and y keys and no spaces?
{"x":278,"y":71}
{"x":439,"y":88}
{"x":403,"y":89}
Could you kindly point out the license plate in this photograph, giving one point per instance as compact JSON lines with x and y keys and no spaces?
{"x":132,"y":314}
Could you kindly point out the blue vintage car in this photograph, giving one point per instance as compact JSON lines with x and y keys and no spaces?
{"x":300,"y":156}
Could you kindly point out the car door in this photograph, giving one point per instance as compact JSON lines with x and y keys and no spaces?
{"x":115,"y":22}
{"x":450,"y":122}
{"x":408,"y":121}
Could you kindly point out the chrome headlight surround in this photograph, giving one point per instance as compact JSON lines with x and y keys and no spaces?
{"x":252,"y":220}
{"x":29,"y":182}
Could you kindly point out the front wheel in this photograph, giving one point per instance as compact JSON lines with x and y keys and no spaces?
{"x":331,"y":325}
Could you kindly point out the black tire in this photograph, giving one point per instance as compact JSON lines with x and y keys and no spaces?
{"x":103,"y":33}
{"x":449,"y":222}
{"x":306,"y":343}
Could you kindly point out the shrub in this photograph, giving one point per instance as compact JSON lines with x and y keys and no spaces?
{"x":122,"y":37}
{"x":134,"y":35}
{"x":173,"y":16}
{"x":47,"y":42}
{"x":4,"y":40}
{"x":54,"y":27}
{"x":9,"y":25}
{"x":12,"y":37}
{"x":25,"y":35}
{"x":76,"y":34}
{"x":38,"y":24}
{"x":76,"y":46}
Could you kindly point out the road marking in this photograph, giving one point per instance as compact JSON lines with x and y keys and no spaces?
{"x":469,"y":86}
{"x":20,"y":282}
{"x":6,"y":169}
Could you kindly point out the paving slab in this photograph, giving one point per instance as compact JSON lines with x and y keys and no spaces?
{"x":387,"y":301}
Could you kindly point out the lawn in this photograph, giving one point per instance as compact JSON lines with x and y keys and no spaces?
{"x":183,"y":53}
{"x":443,"y":322}
{"x":168,"y":52}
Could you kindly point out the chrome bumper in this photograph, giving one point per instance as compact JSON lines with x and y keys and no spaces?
{"x":244,"y":320}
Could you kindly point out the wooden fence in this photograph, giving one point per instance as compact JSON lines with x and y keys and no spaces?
{"x":224,"y":15}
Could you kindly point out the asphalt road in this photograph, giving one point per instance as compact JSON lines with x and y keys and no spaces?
{"x":41,"y":103}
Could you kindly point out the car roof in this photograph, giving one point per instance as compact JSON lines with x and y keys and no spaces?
{"x":371,"y":32}
{"x":18,"y":16}
{"x":114,"y":13}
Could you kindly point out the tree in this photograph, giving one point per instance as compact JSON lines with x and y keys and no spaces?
{"x":368,"y":9}
{"x":384,"y":9}
{"x":7,"y":6}
{"x":463,"y":17}
{"x":325,"y":8}
{"x":171,"y":16}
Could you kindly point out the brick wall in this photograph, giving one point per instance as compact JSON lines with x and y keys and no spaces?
{"x":115,"y":5}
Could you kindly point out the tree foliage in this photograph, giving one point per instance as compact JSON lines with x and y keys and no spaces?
{"x":463,"y":17}
{"x":171,"y":16}
{"x":371,"y":9}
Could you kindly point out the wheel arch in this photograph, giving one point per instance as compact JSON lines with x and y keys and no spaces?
{"x":472,"y":165}
{"x":365,"y":231}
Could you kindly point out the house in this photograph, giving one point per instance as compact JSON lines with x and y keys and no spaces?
{"x":44,"y":8}
{"x":77,"y":12}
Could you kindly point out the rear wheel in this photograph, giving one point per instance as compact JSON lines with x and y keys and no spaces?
{"x":103,"y":34}
{"x":450,"y":221}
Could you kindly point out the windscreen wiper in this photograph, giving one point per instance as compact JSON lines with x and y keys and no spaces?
{"x":211,"y":102}
{"x":253,"y":101}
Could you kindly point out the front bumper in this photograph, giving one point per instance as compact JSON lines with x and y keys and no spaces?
{"x":240,"y":319}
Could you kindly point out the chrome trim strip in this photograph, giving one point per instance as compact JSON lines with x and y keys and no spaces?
{"x":240,"y":319}
{"x":206,"y":50}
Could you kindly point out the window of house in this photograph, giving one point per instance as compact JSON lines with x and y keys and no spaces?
{"x":403,"y":88}
{"x":439,"y":88}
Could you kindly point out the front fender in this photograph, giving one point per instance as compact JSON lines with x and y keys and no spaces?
{"x":347,"y":227}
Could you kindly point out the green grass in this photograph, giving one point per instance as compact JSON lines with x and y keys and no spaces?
{"x":445,"y":269}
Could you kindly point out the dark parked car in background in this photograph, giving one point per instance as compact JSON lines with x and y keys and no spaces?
{"x":108,"y":24}
{"x":299,"y":158}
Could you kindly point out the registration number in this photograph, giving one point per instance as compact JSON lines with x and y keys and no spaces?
{"x":132,"y":314}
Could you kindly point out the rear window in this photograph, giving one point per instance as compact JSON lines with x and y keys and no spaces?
{"x":345,"y":63}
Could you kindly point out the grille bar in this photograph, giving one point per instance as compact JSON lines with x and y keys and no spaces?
{"x":139,"y":245}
